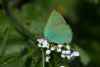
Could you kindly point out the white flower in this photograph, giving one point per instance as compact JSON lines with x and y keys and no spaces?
{"x":47,"y":58}
{"x":60,"y":46}
{"x":40,"y":40}
{"x":58,"y":49}
{"x":63,"y":56}
{"x":68,"y":51}
{"x":52,"y":48}
{"x":62,"y":66}
{"x":39,"y":45}
{"x":75,"y":53}
{"x":45,"y":44}
{"x":71,"y":55}
{"x":48,"y":52}
{"x":68,"y":47}
{"x":68,"y":57}
{"x":63,"y":52}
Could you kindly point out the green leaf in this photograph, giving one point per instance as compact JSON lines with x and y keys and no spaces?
{"x":85,"y":59}
{"x":13,"y":50}
{"x":4,"y":43}
{"x":37,"y":27}
{"x":13,"y":64}
{"x":4,"y":21}
{"x":29,"y":12}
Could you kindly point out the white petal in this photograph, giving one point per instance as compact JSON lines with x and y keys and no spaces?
{"x":47,"y":58}
{"x":39,"y":45}
{"x":48,"y":52}
{"x":40,"y":40}
{"x":68,"y":51}
{"x":68,"y":57}
{"x":71,"y":55}
{"x":68,"y":47}
{"x":63,"y":56}
{"x":62,"y":66}
{"x":45,"y":44}
{"x":75,"y":53}
{"x":63,"y":52}
{"x":60,"y":45}
{"x":58,"y":50}
{"x":52,"y":48}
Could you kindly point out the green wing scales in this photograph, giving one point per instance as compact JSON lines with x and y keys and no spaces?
{"x":57,"y":30}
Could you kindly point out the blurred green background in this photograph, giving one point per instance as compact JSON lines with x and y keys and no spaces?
{"x":82,"y":15}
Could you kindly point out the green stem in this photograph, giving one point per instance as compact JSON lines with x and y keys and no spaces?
{"x":4,"y":41}
{"x":43,"y":58}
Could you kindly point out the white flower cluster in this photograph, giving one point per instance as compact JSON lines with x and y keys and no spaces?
{"x":65,"y":50}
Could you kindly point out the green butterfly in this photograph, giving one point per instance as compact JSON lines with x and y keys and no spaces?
{"x":57,"y":30}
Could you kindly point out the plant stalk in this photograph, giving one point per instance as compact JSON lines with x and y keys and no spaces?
{"x":43,"y":58}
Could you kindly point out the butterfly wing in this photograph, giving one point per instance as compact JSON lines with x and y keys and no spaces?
{"x":57,"y":30}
